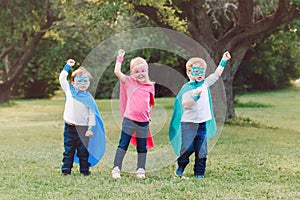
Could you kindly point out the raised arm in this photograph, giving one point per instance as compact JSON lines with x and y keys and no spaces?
{"x":222,"y":64}
{"x":64,"y":74}
{"x":119,"y":61}
{"x":190,"y":97}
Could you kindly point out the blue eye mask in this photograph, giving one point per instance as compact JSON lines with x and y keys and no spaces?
{"x":197,"y":71}
{"x":81,"y":80}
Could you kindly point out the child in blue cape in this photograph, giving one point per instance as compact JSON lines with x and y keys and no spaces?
{"x":84,"y":136}
{"x":193,"y":123}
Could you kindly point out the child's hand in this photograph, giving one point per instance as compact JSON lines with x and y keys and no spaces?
{"x":71,"y":62}
{"x":121,"y":52}
{"x":120,"y":56}
{"x":89,"y":133}
{"x":226,"y":56}
{"x":198,"y":91}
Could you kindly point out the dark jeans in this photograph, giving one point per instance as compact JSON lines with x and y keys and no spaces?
{"x":75,"y":140}
{"x":128,"y":128}
{"x":193,"y":140}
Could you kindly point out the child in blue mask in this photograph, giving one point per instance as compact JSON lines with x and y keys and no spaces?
{"x":84,"y":137}
{"x":193,"y":122}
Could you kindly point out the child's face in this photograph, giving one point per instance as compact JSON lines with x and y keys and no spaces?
{"x":197,"y":73}
{"x":140,"y":73}
{"x":81,"y":82}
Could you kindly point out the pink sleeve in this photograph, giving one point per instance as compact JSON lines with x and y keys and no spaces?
{"x":123,"y":94}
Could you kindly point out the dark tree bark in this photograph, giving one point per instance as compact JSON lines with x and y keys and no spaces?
{"x":244,"y":28}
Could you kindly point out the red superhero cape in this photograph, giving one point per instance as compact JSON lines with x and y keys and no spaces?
{"x":123,"y":102}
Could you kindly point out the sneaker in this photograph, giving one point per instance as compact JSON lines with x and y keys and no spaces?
{"x":199,"y":176}
{"x":179,"y":171}
{"x":140,"y":173}
{"x":85,"y":173}
{"x":116,"y":172}
{"x":65,"y":173}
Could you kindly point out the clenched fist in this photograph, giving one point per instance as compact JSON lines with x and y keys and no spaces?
{"x":121,"y":52}
{"x":89,"y":133}
{"x":226,"y":56}
{"x":71,"y":62}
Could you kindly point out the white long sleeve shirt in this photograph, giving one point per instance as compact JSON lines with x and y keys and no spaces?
{"x":200,"y":111}
{"x":75,"y":112}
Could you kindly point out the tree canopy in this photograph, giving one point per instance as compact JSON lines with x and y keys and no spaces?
{"x":24,"y":26}
{"x":222,"y":25}
{"x":33,"y":29}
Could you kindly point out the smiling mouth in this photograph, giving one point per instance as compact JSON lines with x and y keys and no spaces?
{"x":141,"y":78}
{"x":82,"y":86}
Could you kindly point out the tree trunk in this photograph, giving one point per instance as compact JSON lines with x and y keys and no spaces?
{"x":5,"y":93}
{"x":230,"y":114}
{"x":237,"y":53}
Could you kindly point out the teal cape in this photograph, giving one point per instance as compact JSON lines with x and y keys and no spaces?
{"x":96,"y":146}
{"x":175,"y":124}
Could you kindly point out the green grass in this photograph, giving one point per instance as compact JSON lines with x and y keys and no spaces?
{"x":259,"y":161}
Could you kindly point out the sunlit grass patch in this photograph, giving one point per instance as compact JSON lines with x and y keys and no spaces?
{"x":251,"y":159}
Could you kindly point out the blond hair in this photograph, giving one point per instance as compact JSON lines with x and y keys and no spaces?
{"x":195,"y":61}
{"x":79,"y":72}
{"x":138,"y":61}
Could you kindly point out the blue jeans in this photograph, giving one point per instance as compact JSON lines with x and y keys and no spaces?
{"x":193,"y":140}
{"x":75,"y":140}
{"x":128,"y":128}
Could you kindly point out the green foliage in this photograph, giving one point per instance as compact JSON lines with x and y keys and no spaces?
{"x":96,"y":20}
{"x":265,"y":7}
{"x":73,"y":38}
{"x":271,"y":63}
{"x":21,"y":19}
{"x":40,"y":78}
{"x":87,"y":23}
{"x":166,"y":12}
{"x":36,"y":81}
{"x":24,"y":25}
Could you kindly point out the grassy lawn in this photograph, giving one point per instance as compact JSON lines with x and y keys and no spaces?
{"x":256,"y":157}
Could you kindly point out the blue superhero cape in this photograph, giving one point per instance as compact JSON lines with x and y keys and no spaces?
{"x":96,"y":147}
{"x":175,"y":123}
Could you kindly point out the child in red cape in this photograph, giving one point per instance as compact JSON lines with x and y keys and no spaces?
{"x":136,"y":102}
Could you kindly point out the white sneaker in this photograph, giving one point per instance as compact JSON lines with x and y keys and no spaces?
{"x":115,"y":173}
{"x":140,"y":173}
